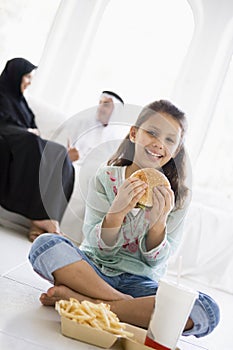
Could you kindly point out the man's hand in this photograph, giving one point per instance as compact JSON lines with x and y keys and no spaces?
{"x":72,"y":152}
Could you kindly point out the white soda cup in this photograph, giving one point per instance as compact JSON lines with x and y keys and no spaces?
{"x":173,"y":305}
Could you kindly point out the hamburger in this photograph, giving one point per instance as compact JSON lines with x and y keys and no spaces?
{"x":153,"y":178}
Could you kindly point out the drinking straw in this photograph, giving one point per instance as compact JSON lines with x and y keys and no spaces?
{"x":179,"y":269}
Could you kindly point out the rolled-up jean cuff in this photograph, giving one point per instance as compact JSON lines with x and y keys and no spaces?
{"x":205,"y":316}
{"x":48,"y":261}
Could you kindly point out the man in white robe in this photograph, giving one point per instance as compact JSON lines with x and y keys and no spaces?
{"x":105,"y":126}
{"x":96,"y":134}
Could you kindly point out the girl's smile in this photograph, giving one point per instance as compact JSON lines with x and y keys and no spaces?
{"x":153,"y":155}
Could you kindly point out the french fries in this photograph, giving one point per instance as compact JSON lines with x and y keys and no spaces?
{"x":95,"y":315}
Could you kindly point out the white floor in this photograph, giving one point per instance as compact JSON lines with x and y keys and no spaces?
{"x":25,"y":324}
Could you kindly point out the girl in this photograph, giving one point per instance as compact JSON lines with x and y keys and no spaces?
{"x":126,"y":249}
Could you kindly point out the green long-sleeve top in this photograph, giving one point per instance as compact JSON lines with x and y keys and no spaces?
{"x":129,"y":253}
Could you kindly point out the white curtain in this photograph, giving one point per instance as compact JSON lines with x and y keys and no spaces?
{"x":66,"y":51}
{"x":24,"y":26}
{"x":203,"y":72}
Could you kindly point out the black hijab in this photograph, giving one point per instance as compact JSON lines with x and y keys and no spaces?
{"x":13,"y":106}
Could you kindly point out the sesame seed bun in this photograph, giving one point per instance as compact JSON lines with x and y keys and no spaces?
{"x":153,"y":178}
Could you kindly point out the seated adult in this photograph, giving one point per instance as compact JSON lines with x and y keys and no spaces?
{"x":38,"y":177}
{"x":96,"y":132}
{"x":101,"y":127}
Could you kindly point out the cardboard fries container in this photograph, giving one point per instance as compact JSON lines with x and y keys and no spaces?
{"x":103,"y":339}
{"x":87,"y":334}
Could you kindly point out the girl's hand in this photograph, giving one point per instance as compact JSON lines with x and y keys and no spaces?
{"x":127,"y":196}
{"x":163,"y":203}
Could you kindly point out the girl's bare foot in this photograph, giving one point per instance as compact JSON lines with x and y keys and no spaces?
{"x":57,"y":293}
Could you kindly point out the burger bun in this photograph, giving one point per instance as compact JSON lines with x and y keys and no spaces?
{"x":153,"y":178}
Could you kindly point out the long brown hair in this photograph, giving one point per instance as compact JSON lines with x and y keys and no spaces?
{"x":175,"y":169}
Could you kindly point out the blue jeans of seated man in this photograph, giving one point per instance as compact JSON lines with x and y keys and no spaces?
{"x":50,"y":252}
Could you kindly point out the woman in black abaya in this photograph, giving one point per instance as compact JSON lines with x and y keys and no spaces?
{"x":36,"y":175}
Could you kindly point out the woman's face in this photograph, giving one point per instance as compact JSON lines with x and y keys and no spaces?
{"x":26,"y":80}
{"x":156,"y":141}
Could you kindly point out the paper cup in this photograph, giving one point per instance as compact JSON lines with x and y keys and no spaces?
{"x":173,"y":305}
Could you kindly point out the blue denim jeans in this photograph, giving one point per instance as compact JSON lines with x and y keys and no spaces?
{"x":50,"y":252}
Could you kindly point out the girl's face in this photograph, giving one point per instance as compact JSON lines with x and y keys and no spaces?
{"x":156,"y":141}
{"x":26,"y":80}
